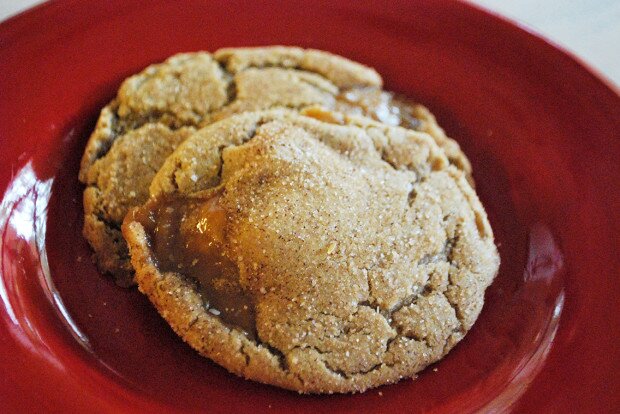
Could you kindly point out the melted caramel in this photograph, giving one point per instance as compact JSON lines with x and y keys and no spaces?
{"x":187,"y":235}
{"x":382,"y":106}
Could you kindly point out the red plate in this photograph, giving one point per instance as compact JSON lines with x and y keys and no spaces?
{"x":541,"y":130}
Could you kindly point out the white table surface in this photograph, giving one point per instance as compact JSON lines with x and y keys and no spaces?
{"x":588,"y":28}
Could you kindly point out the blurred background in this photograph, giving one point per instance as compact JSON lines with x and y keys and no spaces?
{"x":589,"y":29}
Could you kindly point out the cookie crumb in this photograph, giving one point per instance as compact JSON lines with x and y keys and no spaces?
{"x":332,"y":247}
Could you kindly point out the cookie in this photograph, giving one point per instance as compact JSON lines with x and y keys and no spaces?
{"x":316,"y":255}
{"x":195,"y":89}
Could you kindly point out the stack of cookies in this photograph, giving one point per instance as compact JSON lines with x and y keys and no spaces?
{"x":289,"y":219}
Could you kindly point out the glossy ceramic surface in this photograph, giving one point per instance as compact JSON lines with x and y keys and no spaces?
{"x":541,"y":130}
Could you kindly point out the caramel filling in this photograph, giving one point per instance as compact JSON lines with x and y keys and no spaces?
{"x":187,"y":236}
{"x":382,"y":106}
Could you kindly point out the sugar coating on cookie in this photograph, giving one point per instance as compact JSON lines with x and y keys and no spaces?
{"x":359,"y":253}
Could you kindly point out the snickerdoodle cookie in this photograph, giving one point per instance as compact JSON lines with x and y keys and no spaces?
{"x":320,"y":253}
